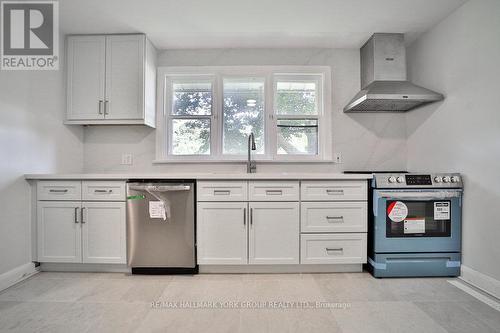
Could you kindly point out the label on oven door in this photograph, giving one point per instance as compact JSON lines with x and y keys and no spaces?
{"x":441,"y":211}
{"x":414,"y":225}
{"x":397,"y":211}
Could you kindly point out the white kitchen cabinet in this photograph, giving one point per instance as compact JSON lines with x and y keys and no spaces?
{"x":86,"y":57}
{"x":124,"y":76}
{"x":222,"y":233}
{"x":70,"y":190}
{"x":340,"y":248}
{"x":76,"y":231}
{"x":273,"y":191}
{"x":111,"y":80}
{"x":59,"y":231}
{"x":336,"y":216}
{"x":274,"y":233}
{"x":335,"y":190}
{"x":222,"y":191}
{"x":103,"y":190}
{"x":103,"y":232}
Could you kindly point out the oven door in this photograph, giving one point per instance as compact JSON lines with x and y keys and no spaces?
{"x":417,"y":220}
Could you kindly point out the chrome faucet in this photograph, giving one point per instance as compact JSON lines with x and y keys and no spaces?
{"x":251,"y":165}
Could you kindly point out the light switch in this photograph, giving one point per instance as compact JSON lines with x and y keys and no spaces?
{"x":337,"y":158}
{"x":126,"y":159}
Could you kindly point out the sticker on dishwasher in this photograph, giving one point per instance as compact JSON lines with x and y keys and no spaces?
{"x":441,"y":211}
{"x":397,"y":211}
{"x":157,"y":210}
{"x":414,"y":225}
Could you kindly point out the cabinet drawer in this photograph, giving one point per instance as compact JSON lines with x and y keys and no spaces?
{"x":222,"y":191}
{"x":334,"y":190}
{"x":274,"y":191}
{"x":333,"y":248}
{"x":59,"y":190}
{"x":333,"y":217}
{"x":103,"y":191}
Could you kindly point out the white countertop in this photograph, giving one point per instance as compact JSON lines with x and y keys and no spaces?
{"x":199,"y":176}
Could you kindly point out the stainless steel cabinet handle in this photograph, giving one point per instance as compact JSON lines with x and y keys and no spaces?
{"x":222,"y":192}
{"x":58,"y":191}
{"x":76,"y":214}
{"x":251,"y":216}
{"x":244,"y":216}
{"x":332,"y":219}
{"x":274,"y":192}
{"x":106,"y":105}
{"x":100,"y":106}
{"x":337,"y":249}
{"x":334,"y":192}
{"x":103,"y":191}
{"x":82,"y":215}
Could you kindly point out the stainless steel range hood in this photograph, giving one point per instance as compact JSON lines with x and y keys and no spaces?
{"x":384,"y":85}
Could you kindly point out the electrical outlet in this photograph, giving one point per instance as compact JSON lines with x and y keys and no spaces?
{"x":126,"y":159}
{"x":337,"y":157}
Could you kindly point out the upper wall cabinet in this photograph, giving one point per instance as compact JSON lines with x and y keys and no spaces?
{"x":111,"y":80}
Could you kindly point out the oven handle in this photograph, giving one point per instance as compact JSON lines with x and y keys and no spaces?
{"x":434,"y":195}
{"x":414,"y":195}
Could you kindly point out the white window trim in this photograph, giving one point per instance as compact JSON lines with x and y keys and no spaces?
{"x":269,"y":73}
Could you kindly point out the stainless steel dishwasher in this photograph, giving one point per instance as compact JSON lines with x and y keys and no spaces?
{"x":161,"y":227}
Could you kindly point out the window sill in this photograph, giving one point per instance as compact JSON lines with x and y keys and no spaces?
{"x":207,"y":161}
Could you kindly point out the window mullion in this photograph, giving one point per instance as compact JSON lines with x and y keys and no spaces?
{"x":270,"y":121}
{"x":217,"y":117}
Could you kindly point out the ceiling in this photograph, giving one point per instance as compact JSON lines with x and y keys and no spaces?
{"x":173,"y":24}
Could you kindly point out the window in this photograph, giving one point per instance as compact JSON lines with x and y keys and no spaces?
{"x":297,"y":113}
{"x":243,"y":109}
{"x":190,"y":117}
{"x":209,"y":112}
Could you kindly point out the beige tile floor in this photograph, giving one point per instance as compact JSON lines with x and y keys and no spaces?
{"x":114,"y":302}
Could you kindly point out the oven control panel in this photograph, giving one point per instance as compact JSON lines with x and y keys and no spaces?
{"x":417,"y":180}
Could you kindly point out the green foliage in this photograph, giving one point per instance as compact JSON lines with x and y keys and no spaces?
{"x":241,"y":119}
{"x":296,"y":102}
{"x":241,"y":116}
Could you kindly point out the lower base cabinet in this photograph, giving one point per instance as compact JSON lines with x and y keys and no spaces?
{"x":339,"y":248}
{"x":59,"y":231}
{"x":240,"y":233}
{"x":104,"y":237}
{"x":81,"y":232}
{"x":222,"y":233}
{"x":273,"y":233}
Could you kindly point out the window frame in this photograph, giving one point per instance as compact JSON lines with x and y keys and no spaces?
{"x":170,"y":116}
{"x":271,"y":75}
{"x":319,"y":117}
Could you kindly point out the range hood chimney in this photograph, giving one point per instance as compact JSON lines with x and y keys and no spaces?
{"x":384,"y":85}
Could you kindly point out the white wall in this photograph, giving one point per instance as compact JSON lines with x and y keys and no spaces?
{"x":33,"y":139}
{"x":460,"y":57}
{"x":366,"y":141}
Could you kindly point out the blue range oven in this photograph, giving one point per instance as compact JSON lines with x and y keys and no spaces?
{"x":415,"y":229}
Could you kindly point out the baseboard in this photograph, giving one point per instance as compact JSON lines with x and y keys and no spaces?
{"x":72,"y":267}
{"x":274,"y":269}
{"x":17,"y":275}
{"x":481,"y":281}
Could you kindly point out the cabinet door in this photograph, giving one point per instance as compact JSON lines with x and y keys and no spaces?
{"x":124,"y":77}
{"x":104,"y":232}
{"x":86,"y":74}
{"x":222,"y":233}
{"x":274,"y":233}
{"x":59,"y":231}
